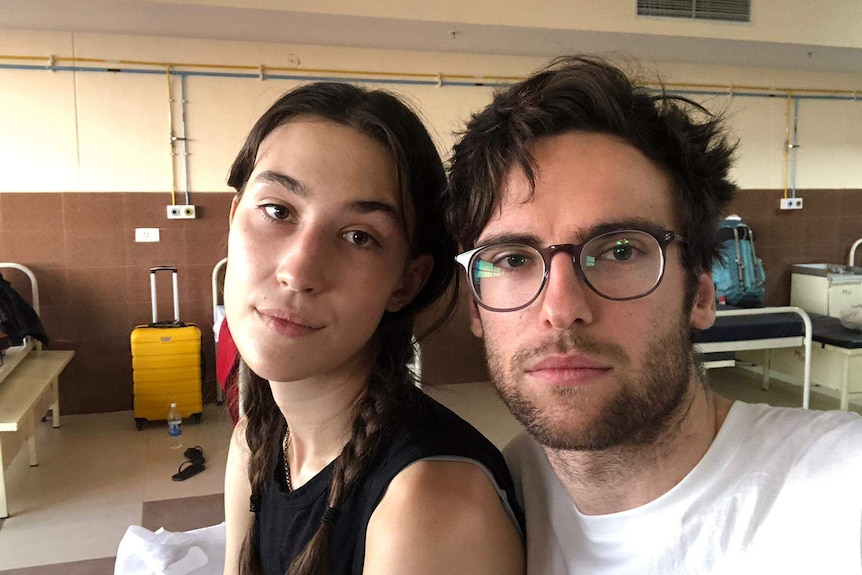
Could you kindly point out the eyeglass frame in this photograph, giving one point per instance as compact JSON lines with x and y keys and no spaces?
{"x":663,"y":237}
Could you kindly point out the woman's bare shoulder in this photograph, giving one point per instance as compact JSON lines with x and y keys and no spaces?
{"x":442,"y":516}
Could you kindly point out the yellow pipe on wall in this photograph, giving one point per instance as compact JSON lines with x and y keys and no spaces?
{"x":171,"y":137}
{"x":430,"y":76}
{"x":786,"y":152}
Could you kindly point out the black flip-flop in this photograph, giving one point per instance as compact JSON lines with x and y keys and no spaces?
{"x":195,"y":454}
{"x":187,"y":469}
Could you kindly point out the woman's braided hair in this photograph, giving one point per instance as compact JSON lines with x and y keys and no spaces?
{"x":421,"y":182}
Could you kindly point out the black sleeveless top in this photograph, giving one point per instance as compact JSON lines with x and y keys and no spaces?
{"x":288,"y":520}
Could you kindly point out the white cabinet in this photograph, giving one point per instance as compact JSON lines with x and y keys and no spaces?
{"x":826,"y":289}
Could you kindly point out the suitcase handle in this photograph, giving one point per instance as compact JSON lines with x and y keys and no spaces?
{"x":173,"y":270}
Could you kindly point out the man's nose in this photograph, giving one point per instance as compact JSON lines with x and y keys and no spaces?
{"x":564,"y":301}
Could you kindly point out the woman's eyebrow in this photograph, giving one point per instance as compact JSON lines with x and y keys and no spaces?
{"x":373,"y":206}
{"x":283,"y":180}
{"x":359,"y":206}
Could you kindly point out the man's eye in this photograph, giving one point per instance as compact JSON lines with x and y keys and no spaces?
{"x":513,"y":261}
{"x":276,"y":211}
{"x":621,"y":252}
{"x":358,"y":238}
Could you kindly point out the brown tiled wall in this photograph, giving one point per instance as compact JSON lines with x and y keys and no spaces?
{"x":94,"y":279}
{"x":94,"y":283}
{"x":821,"y":232}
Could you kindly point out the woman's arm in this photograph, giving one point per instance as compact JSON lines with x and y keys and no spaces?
{"x":442,"y":517}
{"x":236,"y":498}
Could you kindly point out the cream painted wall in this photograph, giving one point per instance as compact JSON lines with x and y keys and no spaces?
{"x":97,"y":131}
{"x":824,"y":22}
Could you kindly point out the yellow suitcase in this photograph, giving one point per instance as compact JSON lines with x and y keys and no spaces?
{"x":166,"y":364}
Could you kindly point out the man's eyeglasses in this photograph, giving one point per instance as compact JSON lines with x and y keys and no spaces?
{"x":618,"y":265}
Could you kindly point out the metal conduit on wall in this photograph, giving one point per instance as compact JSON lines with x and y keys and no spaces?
{"x":261,"y":73}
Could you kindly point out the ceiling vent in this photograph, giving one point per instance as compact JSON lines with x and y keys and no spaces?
{"x":727,"y":10}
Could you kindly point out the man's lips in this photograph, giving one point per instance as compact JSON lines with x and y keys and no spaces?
{"x":568,"y":370}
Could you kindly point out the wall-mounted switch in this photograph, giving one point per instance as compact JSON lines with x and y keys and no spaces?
{"x":181,"y":212}
{"x":146,"y":234}
{"x":791,"y":203}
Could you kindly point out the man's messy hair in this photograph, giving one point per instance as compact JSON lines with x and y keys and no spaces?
{"x":589,"y":94}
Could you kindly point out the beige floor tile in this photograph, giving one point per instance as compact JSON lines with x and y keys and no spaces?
{"x":93,"y":476}
{"x":96,"y":471}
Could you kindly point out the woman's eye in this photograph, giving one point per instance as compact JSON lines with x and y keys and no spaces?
{"x":276,"y":211}
{"x":358,"y":238}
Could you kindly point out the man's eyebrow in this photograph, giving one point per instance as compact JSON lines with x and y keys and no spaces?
{"x":509,"y":238}
{"x":285,"y":181}
{"x":505,"y":237}
{"x":626,"y":224}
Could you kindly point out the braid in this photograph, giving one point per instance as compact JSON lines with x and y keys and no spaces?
{"x":263,"y":422}
{"x":420,"y":179}
{"x":389,"y":396}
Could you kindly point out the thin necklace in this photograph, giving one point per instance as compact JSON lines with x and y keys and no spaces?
{"x":285,"y":444}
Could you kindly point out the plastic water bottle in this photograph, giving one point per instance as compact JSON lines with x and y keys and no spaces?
{"x":175,"y":427}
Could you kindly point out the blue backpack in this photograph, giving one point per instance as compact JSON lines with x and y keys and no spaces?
{"x":738,"y":272}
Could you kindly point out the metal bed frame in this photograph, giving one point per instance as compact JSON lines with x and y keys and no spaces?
{"x":769,"y":343}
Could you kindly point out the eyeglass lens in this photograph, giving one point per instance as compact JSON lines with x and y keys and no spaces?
{"x":617,"y":265}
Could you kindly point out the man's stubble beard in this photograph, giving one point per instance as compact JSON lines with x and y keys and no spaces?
{"x":639,"y":413}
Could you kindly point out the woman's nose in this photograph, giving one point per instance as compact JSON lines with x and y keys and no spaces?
{"x":303,"y":263}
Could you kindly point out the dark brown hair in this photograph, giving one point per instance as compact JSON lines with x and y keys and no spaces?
{"x":588,"y":94}
{"x":421,"y":182}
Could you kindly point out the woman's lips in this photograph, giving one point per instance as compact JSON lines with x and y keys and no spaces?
{"x":288,"y":324}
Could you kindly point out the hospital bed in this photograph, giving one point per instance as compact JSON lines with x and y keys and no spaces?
{"x":831,"y":354}
{"x":29,"y":388}
{"x":837,"y":357}
{"x":758,"y":329}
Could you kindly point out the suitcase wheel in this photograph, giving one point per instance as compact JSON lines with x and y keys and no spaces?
{"x":196,"y":417}
{"x":139,"y":423}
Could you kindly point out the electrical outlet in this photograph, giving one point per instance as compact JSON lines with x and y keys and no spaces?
{"x":184,"y":212}
{"x":791,"y":203}
{"x":146,"y":234}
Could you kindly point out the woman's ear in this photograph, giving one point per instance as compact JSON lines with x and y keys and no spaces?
{"x":416,"y":273}
{"x":233,"y":206}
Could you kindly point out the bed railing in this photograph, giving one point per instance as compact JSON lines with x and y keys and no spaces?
{"x":806,"y":381}
{"x":34,"y":286}
{"x":852,"y":258}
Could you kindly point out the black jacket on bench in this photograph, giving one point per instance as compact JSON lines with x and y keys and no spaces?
{"x":17,"y":318}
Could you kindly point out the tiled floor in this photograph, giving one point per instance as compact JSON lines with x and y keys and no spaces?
{"x":96,"y":472}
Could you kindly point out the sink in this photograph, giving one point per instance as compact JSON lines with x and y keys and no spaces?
{"x":831,"y":271}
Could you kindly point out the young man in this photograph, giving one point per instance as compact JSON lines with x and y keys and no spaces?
{"x":588,"y":204}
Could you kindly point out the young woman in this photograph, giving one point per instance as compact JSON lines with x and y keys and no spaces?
{"x":340,"y":464}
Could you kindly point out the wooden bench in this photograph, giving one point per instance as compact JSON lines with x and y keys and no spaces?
{"x":27,"y":393}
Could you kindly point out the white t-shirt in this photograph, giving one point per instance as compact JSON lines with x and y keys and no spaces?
{"x":779,"y":491}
